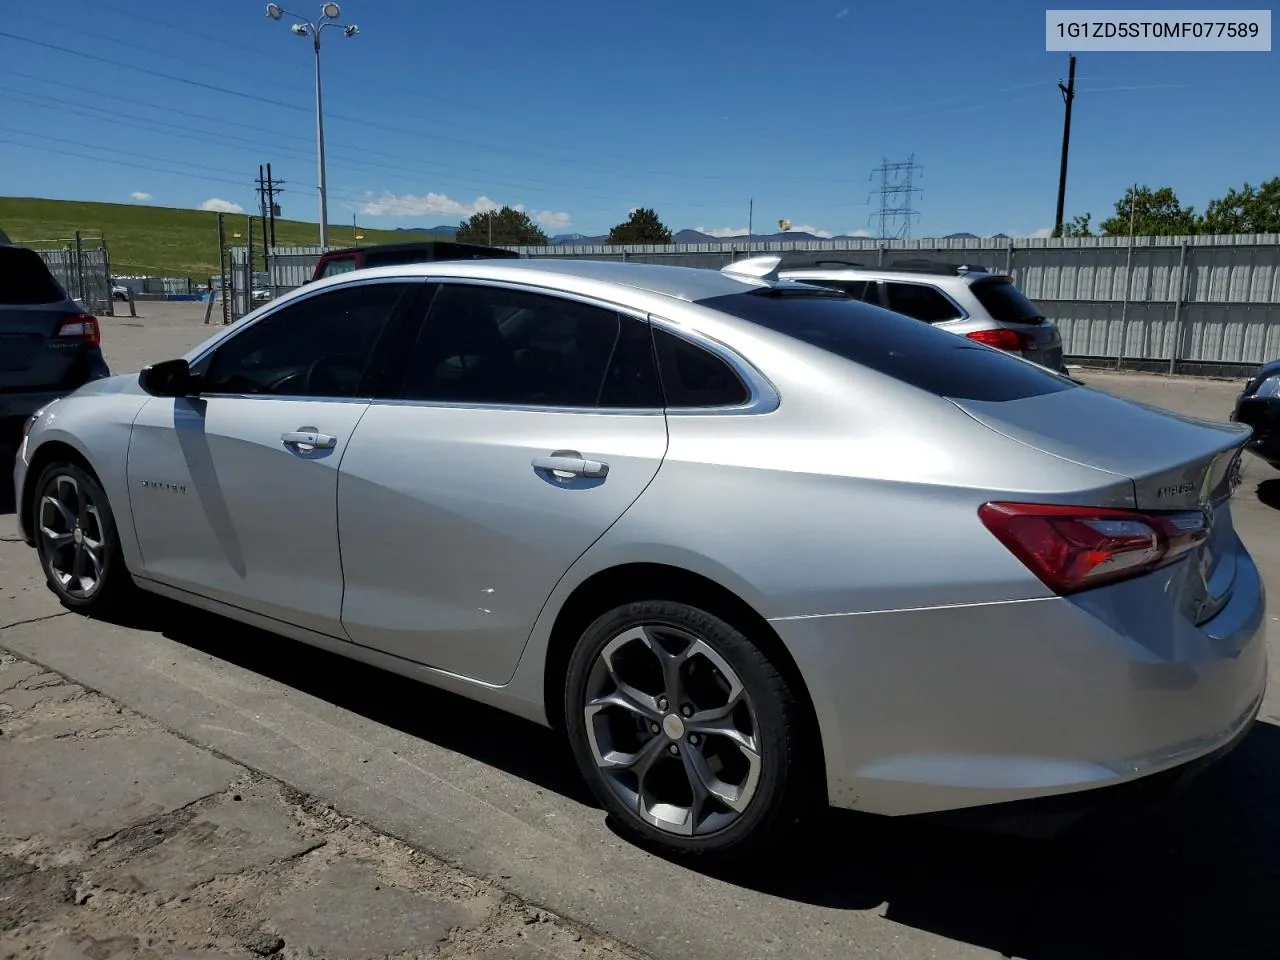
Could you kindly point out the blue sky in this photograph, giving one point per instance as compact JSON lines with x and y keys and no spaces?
{"x":580,"y":111}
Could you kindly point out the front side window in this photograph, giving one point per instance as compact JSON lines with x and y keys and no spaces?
{"x":496,"y":345}
{"x":920,"y":301}
{"x":316,"y":347}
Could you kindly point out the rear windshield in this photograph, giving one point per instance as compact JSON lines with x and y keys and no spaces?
{"x":944,"y":364}
{"x":1005,"y":302}
{"x":25,"y":280}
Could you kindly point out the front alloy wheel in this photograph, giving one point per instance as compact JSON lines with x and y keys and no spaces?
{"x":683,"y":728}
{"x":76,"y":540}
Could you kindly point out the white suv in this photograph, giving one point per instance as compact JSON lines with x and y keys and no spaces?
{"x":972,"y":302}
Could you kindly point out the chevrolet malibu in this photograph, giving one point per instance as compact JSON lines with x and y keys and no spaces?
{"x":755,"y":547}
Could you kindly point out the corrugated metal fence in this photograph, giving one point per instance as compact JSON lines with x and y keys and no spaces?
{"x":1186,"y":303}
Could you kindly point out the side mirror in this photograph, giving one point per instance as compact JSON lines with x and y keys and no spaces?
{"x":170,"y":378}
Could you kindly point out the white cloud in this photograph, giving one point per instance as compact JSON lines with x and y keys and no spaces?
{"x":860,"y":232}
{"x":805,"y":228}
{"x":844,"y":12}
{"x":1043,"y":232}
{"x":722,"y":231}
{"x":556,"y":221}
{"x":218,"y":205}
{"x":140,"y":195}
{"x":409,"y":205}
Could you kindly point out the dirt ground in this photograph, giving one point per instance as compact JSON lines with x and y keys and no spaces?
{"x":121,"y":840}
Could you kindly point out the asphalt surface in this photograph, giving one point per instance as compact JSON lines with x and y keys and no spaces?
{"x":499,"y":798}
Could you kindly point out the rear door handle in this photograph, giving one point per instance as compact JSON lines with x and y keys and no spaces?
{"x":308,"y":440}
{"x":571,"y":466}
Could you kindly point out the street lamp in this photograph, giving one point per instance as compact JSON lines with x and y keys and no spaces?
{"x":329,"y":13}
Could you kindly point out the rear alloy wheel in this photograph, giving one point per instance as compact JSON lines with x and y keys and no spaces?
{"x":77,"y":541}
{"x":685,"y":730}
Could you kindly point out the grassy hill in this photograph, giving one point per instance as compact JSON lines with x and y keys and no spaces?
{"x":162,"y":241}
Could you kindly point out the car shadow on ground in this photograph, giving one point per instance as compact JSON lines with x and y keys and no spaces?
{"x":8,"y":451}
{"x":1269,"y":493}
{"x":1200,"y":879}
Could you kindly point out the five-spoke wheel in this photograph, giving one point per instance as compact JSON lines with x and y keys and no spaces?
{"x":683,"y":727}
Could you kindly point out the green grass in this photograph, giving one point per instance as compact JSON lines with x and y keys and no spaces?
{"x":162,"y":241}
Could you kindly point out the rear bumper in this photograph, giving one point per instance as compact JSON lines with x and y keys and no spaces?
{"x":923,"y":711}
{"x":20,"y":404}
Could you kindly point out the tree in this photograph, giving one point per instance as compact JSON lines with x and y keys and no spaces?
{"x":1246,"y":210}
{"x":643,"y":226}
{"x":1078,"y":226}
{"x":507,"y":227}
{"x":1155,"y":213}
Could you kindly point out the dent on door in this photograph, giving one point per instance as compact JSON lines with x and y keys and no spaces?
{"x":457,"y":523}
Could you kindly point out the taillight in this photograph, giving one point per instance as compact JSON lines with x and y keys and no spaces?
{"x":82,"y":326}
{"x":1002,"y":339}
{"x":1073,"y":548}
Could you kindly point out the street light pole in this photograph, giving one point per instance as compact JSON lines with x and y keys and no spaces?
{"x":329,"y":13}
{"x":324,"y":187}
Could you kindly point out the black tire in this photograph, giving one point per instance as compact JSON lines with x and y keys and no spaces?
{"x":784,"y":784}
{"x":96,"y":524}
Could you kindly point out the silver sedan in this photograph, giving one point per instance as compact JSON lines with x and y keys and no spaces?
{"x":754,"y":546}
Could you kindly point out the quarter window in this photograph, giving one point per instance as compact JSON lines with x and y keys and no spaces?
{"x":692,"y":377}
{"x":922,"y":302}
{"x":485,"y":344}
{"x":317,"y":347}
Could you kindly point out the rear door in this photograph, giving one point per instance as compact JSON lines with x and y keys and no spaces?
{"x":525,"y":425}
{"x":33,"y":309}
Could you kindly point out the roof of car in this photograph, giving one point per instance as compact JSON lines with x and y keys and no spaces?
{"x":684,"y":283}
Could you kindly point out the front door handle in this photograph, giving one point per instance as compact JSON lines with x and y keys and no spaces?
{"x":307,"y":440}
{"x":571,"y":465}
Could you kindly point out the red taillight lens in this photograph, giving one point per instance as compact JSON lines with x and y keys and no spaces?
{"x":82,"y":326}
{"x":1001,"y":339}
{"x":1073,"y":548}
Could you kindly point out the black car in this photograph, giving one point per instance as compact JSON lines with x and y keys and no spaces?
{"x":335,"y":262}
{"x":49,"y":345}
{"x":1259,"y":407}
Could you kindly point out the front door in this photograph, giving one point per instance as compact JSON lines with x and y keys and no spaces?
{"x":526,"y":426}
{"x":233,"y":492}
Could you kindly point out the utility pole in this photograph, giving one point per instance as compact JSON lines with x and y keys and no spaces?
{"x":273,"y":187}
{"x":751,"y":213}
{"x":262,"y":212}
{"x":1068,"y":97}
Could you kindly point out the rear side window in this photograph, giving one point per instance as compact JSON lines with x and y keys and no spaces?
{"x":25,"y":280}
{"x":920,"y":301}
{"x":1005,"y":302}
{"x":692,"y":377}
{"x":338,"y":265}
{"x":939,"y":362}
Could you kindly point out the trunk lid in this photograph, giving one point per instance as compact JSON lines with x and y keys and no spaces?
{"x":1175,"y":463}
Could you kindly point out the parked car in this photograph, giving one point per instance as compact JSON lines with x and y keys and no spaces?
{"x":1258,"y":406}
{"x":119,"y":291}
{"x":260,"y":294}
{"x":392,"y":254}
{"x":49,"y":345}
{"x":973,"y":302}
{"x":753,"y":546}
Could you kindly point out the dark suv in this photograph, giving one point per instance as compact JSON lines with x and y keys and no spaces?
{"x":393,"y":254}
{"x":48,"y":345}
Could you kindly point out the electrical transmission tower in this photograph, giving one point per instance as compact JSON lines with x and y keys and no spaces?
{"x":896,"y":191}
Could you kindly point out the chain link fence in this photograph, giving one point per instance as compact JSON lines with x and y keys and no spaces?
{"x":83,"y":267}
